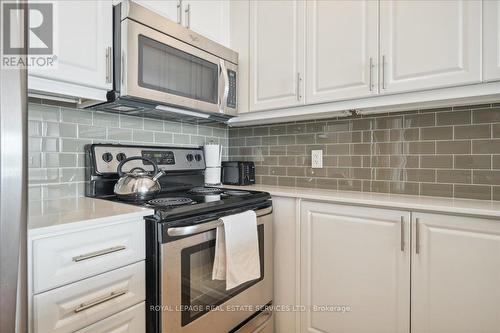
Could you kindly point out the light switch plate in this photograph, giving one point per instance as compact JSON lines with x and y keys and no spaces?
{"x":317,"y":159}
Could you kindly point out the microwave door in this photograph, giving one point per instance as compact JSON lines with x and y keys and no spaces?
{"x":167,"y":71}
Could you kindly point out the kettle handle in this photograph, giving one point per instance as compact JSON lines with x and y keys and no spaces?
{"x":133,"y":158}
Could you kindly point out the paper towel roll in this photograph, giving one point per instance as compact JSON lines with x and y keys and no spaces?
{"x":212,"y":176}
{"x":213,"y":155}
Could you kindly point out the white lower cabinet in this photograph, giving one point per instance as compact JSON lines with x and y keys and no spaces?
{"x":374,"y":270}
{"x":75,"y":306}
{"x":285,"y":246}
{"x":132,"y":320}
{"x":455,"y":274}
{"x":355,"y":269}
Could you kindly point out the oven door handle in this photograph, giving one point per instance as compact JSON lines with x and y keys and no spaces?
{"x":196,"y":229}
{"x":257,"y":323}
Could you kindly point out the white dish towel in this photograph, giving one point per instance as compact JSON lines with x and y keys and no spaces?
{"x":237,"y":257}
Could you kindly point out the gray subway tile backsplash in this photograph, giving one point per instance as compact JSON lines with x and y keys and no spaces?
{"x":57,"y":136}
{"x":450,"y":151}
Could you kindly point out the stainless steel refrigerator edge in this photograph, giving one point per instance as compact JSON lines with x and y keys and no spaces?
{"x":13,"y":194}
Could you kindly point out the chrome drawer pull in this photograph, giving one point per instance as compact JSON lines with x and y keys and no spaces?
{"x":417,"y":236}
{"x":402,"y":234}
{"x":99,"y":253}
{"x":114,"y":294}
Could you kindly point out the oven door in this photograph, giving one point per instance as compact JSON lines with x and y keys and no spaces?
{"x":191,"y":300}
{"x":156,"y":67}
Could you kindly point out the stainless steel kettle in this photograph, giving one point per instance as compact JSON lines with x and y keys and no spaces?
{"x":137,"y":184}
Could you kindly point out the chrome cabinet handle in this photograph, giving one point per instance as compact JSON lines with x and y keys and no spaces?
{"x":402,"y":225}
{"x":417,"y":235}
{"x":179,"y":12}
{"x":188,"y":15}
{"x":99,"y":253}
{"x":371,"y":74}
{"x":85,"y":306}
{"x":109,"y":64}
{"x":298,"y":87}
{"x":383,"y":71}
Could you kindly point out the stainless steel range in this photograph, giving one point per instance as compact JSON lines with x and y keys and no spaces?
{"x":180,"y":241}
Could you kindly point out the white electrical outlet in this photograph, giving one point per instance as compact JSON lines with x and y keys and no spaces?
{"x":317,"y":159}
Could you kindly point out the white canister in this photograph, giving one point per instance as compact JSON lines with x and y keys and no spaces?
{"x":213,"y":155}
{"x":212,"y":176}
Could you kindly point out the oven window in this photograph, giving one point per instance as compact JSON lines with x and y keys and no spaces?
{"x":199,"y":292}
{"x":164,"y":68}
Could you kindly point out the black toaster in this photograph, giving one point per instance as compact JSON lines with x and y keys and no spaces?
{"x":238,"y":173}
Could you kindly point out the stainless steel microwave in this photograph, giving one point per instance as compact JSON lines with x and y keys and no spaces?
{"x":164,"y":70}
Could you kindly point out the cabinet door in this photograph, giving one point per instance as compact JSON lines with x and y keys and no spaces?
{"x":286,"y":248}
{"x":209,"y":18}
{"x":342,"y":49}
{"x":276,"y":53}
{"x":455,"y":274}
{"x":491,"y":32}
{"x":357,"y":259}
{"x":84,"y":40}
{"x":167,"y":8}
{"x":429,"y":44}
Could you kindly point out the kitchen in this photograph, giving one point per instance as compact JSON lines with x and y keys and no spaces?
{"x":250,"y":166}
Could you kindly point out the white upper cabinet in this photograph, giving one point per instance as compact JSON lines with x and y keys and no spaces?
{"x":83,"y":47}
{"x":455,"y":274}
{"x":491,"y":30}
{"x":276,"y":54}
{"x":429,"y":44}
{"x":342,"y":49}
{"x":358,"y":258}
{"x":208,"y":18}
{"x":169,"y":8}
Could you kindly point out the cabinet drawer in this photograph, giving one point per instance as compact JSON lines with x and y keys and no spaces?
{"x":80,"y":304}
{"x":70,"y":257}
{"x":132,"y":320}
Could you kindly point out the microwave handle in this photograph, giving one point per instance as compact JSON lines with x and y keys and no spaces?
{"x":225,"y":80}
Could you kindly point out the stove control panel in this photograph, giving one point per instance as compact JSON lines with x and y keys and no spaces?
{"x":106,"y":158}
{"x":159,"y":157}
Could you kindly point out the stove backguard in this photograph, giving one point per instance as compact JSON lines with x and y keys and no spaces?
{"x":184,"y":167}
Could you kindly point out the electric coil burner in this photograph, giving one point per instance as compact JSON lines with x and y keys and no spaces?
{"x":170,"y":202}
{"x":205,"y":190}
{"x":180,"y":241}
{"x":237,"y":193}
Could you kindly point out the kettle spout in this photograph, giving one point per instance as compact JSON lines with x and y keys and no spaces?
{"x":158,"y":175}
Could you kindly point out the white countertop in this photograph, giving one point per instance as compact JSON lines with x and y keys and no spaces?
{"x":484,"y":208}
{"x":57,"y":215}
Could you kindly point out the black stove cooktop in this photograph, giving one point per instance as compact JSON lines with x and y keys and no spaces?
{"x":184,"y":196}
{"x":197,"y":201}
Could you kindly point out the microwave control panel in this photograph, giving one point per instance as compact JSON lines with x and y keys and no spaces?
{"x":231,"y":96}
